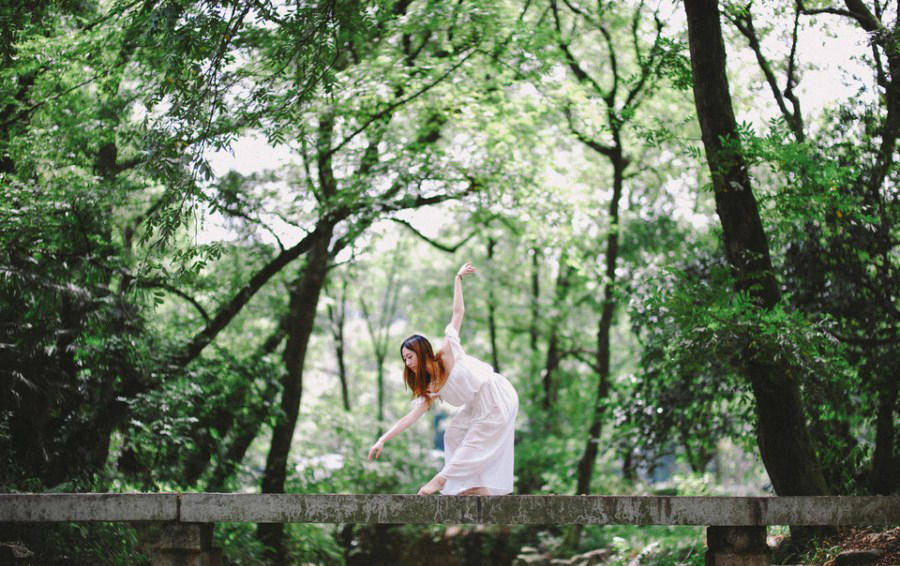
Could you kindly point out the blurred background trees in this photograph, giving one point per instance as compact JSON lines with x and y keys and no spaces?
{"x":219,"y":220}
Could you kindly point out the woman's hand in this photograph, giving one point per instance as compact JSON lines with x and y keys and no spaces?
{"x":376,"y":449}
{"x":436,"y":484}
{"x":466,"y":269}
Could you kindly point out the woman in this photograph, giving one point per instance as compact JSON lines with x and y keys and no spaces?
{"x":478,"y":444}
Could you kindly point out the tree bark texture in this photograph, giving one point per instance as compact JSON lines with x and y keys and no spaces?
{"x":604,"y":328}
{"x":885,"y":468}
{"x":784,"y":440}
{"x":554,"y":352}
{"x":299,"y":326}
{"x":534,"y":322}
{"x":337,"y":316}
{"x":492,"y":310}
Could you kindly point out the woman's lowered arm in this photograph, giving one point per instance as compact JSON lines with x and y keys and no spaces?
{"x":404,"y":423}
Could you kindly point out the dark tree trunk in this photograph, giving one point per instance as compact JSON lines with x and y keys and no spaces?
{"x":533,"y":331}
{"x":604,"y":328}
{"x":784,"y":441}
{"x":554,"y":352}
{"x":336,"y":315}
{"x":492,"y":308}
{"x":7,"y":116}
{"x":885,"y":470}
{"x":551,"y":364}
{"x":534,"y":323}
{"x":299,"y":326}
{"x":380,"y":379}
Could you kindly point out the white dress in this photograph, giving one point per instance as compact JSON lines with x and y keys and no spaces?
{"x":478,"y":442}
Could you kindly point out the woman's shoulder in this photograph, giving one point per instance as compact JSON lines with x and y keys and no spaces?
{"x":427,"y":398}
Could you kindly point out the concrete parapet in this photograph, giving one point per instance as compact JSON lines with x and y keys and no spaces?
{"x":180,"y":525}
{"x":54,"y":507}
{"x":507,"y":509}
{"x":542,"y":509}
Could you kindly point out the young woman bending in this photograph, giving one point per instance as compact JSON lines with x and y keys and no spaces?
{"x":478,"y":443}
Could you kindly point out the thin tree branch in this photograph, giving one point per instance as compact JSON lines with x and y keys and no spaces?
{"x":175,"y":291}
{"x":632,"y":100}
{"x":443,"y":247}
{"x":610,"y":97}
{"x":390,"y":108}
{"x":579,"y":73}
{"x":606,"y":150}
{"x":239,"y":214}
{"x":744,"y":23}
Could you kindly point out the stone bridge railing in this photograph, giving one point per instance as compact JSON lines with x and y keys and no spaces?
{"x":736,"y":526}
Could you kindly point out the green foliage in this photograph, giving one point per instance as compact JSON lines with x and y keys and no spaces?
{"x":835,"y":231}
{"x":110,"y":113}
{"x":697,"y":334}
{"x":106,"y":544}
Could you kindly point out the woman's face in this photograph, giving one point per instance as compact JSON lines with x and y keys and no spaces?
{"x":409,"y":358}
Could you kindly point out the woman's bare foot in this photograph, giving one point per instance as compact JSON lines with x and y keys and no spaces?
{"x":475,"y":491}
{"x":436,"y":483}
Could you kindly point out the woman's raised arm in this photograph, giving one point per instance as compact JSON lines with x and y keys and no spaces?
{"x":459,"y":307}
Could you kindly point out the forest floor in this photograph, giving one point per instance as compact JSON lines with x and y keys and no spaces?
{"x":886,"y":544}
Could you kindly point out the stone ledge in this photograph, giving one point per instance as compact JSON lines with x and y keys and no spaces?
{"x":55,"y":507}
{"x":507,"y":509}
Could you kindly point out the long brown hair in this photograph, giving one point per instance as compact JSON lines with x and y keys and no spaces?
{"x":427,"y":364}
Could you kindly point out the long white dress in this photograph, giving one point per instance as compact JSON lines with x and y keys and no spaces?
{"x":478,"y":442}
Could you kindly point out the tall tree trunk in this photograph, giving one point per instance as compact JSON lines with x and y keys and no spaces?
{"x":784,"y":440}
{"x":380,"y":378}
{"x":604,"y":327}
{"x":299,"y":327}
{"x":885,"y":470}
{"x":551,"y":364}
{"x":492,"y":308}
{"x":534,"y":323}
{"x":554,"y":353}
{"x":337,"y":316}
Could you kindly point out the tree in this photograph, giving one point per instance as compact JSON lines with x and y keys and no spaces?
{"x":784,"y":440}
{"x":621,"y":100}
{"x":836,"y":219}
{"x":70,"y":184}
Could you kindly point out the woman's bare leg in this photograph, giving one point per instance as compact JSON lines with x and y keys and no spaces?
{"x":475,"y":491}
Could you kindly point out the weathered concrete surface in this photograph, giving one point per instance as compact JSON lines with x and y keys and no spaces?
{"x":737,"y":546}
{"x":538,"y":509}
{"x":508,"y":509}
{"x":51,"y":507}
{"x":317,"y":508}
{"x":182,"y":536}
{"x":725,"y":511}
{"x":182,"y":544}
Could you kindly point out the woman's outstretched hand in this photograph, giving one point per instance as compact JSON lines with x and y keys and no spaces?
{"x":375,"y":450}
{"x":466,"y":269}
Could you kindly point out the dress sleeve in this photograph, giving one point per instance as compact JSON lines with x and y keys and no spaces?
{"x":452,"y":336}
